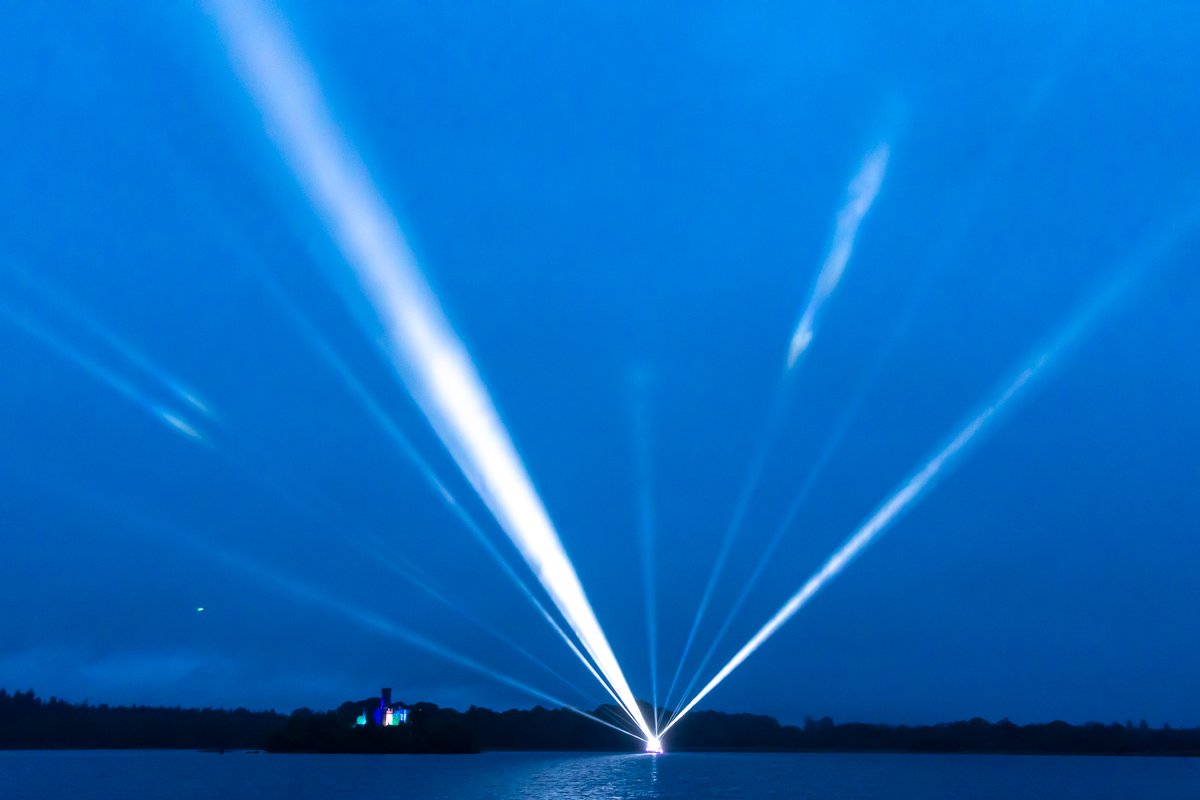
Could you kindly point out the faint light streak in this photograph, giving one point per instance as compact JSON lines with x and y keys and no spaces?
{"x":375,"y":411}
{"x":781,"y":530}
{"x":288,"y":585}
{"x":301,"y":501}
{"x":913,"y":489}
{"x":178,"y":424}
{"x":1000,"y":157}
{"x":258,"y":473}
{"x":618,"y":716}
{"x":733,"y":529}
{"x":112,"y":340}
{"x":862,"y":191}
{"x":392,"y":629}
{"x":100,"y":372}
{"x":429,"y":357}
{"x":397,"y":436}
{"x":861,"y":194}
{"x":412,"y":576}
{"x":876,"y":524}
{"x":389,"y":628}
{"x":646,"y":525}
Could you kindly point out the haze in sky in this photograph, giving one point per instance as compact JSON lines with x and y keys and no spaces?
{"x":624,"y":212}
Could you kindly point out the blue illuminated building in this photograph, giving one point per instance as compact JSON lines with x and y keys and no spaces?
{"x":386,"y":715}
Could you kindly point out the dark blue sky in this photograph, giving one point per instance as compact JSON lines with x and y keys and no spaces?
{"x":600,"y":191}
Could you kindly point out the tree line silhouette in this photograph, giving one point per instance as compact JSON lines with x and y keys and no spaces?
{"x":27,"y":721}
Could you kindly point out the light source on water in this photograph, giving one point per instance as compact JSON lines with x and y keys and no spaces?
{"x":654,"y":745}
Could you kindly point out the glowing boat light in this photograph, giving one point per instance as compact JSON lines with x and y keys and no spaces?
{"x":654,"y":746}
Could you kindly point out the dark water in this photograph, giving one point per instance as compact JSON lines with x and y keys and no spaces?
{"x":146,"y":775}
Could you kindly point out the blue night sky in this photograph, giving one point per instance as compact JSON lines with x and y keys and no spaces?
{"x":620,"y":206}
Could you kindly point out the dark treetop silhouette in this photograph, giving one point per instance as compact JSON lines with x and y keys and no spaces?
{"x":26,"y":721}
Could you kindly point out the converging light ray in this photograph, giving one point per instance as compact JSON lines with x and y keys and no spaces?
{"x":646,"y":531}
{"x":912,"y":490}
{"x":392,"y":629}
{"x":765,"y":558}
{"x":313,"y":596}
{"x":861,"y":194}
{"x":574,"y":648}
{"x":389,"y":427}
{"x":408,"y":571}
{"x":878,"y":522}
{"x":258,"y":473}
{"x":385,"y":626}
{"x":620,"y":719}
{"x":101,"y":373}
{"x":793,"y":510}
{"x":999,"y":158}
{"x":427,"y":354}
{"x":729,"y":538}
{"x":113,"y":341}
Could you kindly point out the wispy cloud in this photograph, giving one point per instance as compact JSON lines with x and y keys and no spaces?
{"x":859,"y":198}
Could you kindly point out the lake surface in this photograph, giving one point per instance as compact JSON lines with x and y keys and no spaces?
{"x":147,"y":775}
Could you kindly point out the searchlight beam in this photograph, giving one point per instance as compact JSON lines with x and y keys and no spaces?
{"x":912,"y":490}
{"x":860,"y":195}
{"x":428,"y":356}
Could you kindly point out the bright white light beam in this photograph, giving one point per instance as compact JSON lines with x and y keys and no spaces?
{"x":862,"y":192}
{"x":914,"y":488}
{"x":427,"y":354}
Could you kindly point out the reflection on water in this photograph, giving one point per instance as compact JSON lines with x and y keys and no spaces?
{"x":149,"y":775}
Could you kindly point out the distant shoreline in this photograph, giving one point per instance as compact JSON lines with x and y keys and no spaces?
{"x":694,"y":752}
{"x":30,"y":723}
